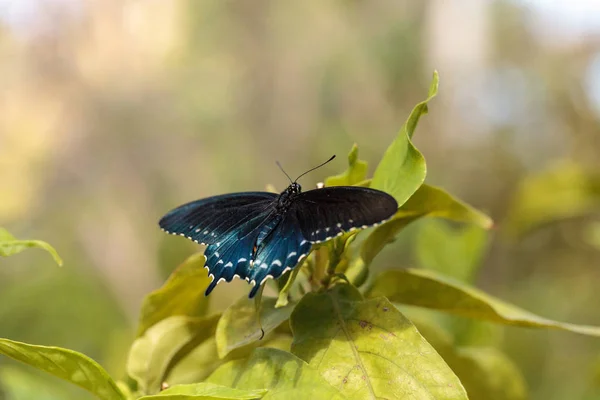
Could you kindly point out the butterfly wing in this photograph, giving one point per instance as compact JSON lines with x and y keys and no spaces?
{"x":329,"y":212}
{"x":281,"y":250}
{"x":210,"y":220}
{"x":229,"y":224}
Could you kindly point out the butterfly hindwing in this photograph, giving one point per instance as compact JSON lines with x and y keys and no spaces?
{"x":328,"y":212}
{"x":281,"y":250}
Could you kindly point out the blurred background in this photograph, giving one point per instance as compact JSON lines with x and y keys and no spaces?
{"x":114,"y":111}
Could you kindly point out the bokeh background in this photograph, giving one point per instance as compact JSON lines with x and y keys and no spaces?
{"x":114,"y":111}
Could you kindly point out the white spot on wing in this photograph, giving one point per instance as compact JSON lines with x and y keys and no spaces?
{"x":229,"y":264}
{"x":264,"y":266}
{"x":242,"y":260}
{"x":339,"y":225}
{"x":219,"y":262}
{"x":276,"y":262}
{"x":205,"y":232}
{"x":292,"y":254}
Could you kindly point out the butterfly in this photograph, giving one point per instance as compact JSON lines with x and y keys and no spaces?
{"x":260,"y":235}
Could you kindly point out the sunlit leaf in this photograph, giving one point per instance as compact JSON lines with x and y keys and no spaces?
{"x":428,"y":201}
{"x":429,"y":289}
{"x":182,"y":294}
{"x":402,"y":169}
{"x":203,"y":360}
{"x":368,"y":349}
{"x":21,"y":383}
{"x":485,"y":372}
{"x":152,"y":353}
{"x":283,"y":298}
{"x":283,"y":374}
{"x":206,"y":391}
{"x":9,"y":246}
{"x":239,"y":324}
{"x":65,"y":364}
{"x":563,"y":191}
{"x":454,"y":252}
{"x":355,"y":173}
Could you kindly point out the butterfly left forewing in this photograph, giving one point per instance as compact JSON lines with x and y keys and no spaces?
{"x":208,"y":221}
{"x":328,"y":212}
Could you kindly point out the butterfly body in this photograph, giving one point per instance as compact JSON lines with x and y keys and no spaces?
{"x":259,"y":235}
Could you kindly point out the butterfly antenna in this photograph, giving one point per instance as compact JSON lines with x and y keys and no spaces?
{"x":312,"y":169}
{"x":282,"y":170}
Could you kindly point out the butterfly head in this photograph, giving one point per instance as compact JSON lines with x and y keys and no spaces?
{"x":294,"y":188}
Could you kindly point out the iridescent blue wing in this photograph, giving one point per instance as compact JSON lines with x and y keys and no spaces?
{"x":282,"y":249}
{"x":329,"y":212}
{"x":211,"y":220}
{"x":229,"y":224}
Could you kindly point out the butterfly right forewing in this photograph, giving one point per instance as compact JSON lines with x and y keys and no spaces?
{"x":328,"y":212}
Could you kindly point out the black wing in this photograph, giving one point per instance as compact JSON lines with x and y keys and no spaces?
{"x":329,"y":212}
{"x":211,"y":220}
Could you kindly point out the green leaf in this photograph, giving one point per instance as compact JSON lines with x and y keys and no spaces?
{"x":65,"y":364}
{"x":206,"y":391}
{"x":239,"y":324}
{"x":368,"y":349}
{"x":21,"y":383}
{"x":203,"y":360}
{"x":563,"y":191}
{"x":152,"y":354}
{"x":402,"y":169}
{"x":356,"y":172}
{"x":454,"y":252}
{"x":425,"y":288}
{"x":283,"y":374}
{"x":9,"y":246}
{"x":428,"y":201}
{"x":283,"y":298}
{"x":485,"y":372}
{"x":182,"y":294}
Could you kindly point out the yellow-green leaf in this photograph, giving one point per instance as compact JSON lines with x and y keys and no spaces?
{"x":355,"y":173}
{"x":206,"y":391}
{"x":66,"y":364}
{"x":451,"y":251}
{"x":9,"y":246}
{"x":429,"y":289}
{"x":427,"y":201}
{"x":203,"y":360}
{"x":402,"y":169}
{"x":239,"y":324}
{"x":284,"y":375}
{"x":485,"y":372}
{"x":563,"y":191}
{"x":152,"y":353}
{"x":182,"y":294}
{"x":283,"y":298}
{"x":368,"y":349}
